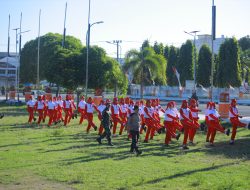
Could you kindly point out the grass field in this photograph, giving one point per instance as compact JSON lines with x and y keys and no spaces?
{"x":38,"y":157}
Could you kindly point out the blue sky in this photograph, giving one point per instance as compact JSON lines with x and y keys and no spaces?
{"x":131,"y":21}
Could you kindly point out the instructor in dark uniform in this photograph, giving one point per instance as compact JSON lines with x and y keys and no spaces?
{"x":106,"y":123}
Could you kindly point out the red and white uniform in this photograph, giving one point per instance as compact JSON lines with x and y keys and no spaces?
{"x":115,"y":113}
{"x":213,"y":117}
{"x":67,"y":109}
{"x":31,"y":108}
{"x":81,"y":110}
{"x":90,"y":107}
{"x":171,"y":122}
{"x":234,"y":119}
{"x":51,"y":111}
{"x":40,"y":107}
{"x":194,"y":111}
{"x":186,"y":120}
{"x":149,"y":120}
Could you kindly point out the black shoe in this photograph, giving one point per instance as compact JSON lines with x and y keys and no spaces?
{"x":228,"y":132}
{"x":177,"y":136}
{"x":95,"y":128}
{"x":145,"y":141}
{"x":159,"y":131}
{"x":211,"y":144}
{"x":248,"y":126}
{"x":131,"y":151}
{"x":99,"y":140}
{"x":207,"y":140}
{"x":2,"y":115}
{"x":110,"y":144}
{"x":231,"y":142}
{"x":138,"y":153}
{"x":43,"y":120}
{"x":34,"y":119}
{"x":75,"y":115}
{"x":184,"y":147}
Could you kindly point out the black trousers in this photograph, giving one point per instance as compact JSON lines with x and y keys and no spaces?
{"x":106,"y":134}
{"x":135,"y":137}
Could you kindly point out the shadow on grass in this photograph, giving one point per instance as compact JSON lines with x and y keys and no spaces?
{"x":241,"y":149}
{"x":183,"y":174}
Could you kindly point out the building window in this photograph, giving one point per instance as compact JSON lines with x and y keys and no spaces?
{"x":11,"y":72}
{"x":2,"y":71}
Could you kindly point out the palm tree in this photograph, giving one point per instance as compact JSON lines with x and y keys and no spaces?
{"x":146,"y":66}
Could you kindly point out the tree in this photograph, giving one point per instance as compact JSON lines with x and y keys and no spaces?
{"x":204,"y":66}
{"x":103,"y":71}
{"x":159,"y":48}
{"x":172,"y":62}
{"x":244,"y":43}
{"x":185,"y":63}
{"x":49,"y":43}
{"x":229,"y":68}
{"x":144,"y":60}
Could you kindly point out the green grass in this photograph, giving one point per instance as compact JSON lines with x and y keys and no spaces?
{"x":38,"y":157}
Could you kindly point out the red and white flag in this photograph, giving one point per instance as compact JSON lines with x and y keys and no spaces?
{"x":178,"y":77}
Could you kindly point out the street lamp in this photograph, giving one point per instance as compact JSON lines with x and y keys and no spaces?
{"x":87,"y":59}
{"x":193,"y":33}
{"x":20,"y":46}
{"x":16,"y":54}
{"x":116,"y":42}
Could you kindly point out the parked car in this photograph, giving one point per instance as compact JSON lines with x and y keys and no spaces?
{"x":37,"y":92}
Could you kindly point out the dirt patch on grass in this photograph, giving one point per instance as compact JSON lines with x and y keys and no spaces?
{"x":35,"y":183}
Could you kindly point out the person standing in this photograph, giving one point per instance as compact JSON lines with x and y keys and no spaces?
{"x":40,"y":106}
{"x":133,"y":126}
{"x":106,"y":123}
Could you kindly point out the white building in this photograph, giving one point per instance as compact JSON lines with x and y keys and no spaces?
{"x":207,"y":39}
{"x":8,"y":70}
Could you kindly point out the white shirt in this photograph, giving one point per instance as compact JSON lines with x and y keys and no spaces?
{"x":101,"y":107}
{"x":31,"y":103}
{"x":169,"y":112}
{"x":82,"y":104}
{"x":51,"y":105}
{"x":40,"y":105}
{"x":150,"y":112}
{"x":116,"y":108}
{"x":186,"y":112}
{"x":90,"y":108}
{"x":235,"y":111}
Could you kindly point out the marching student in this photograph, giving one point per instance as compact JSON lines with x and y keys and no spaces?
{"x":194,"y":111}
{"x":115,"y":112}
{"x":214,"y":123}
{"x":234,"y":119}
{"x":59,"y":109}
{"x":40,"y":106}
{"x":133,"y":126}
{"x":81,"y":109}
{"x":149,"y":120}
{"x":66,"y":108}
{"x":171,"y":123}
{"x":207,"y":121}
{"x":51,"y":111}
{"x":31,"y":108}
{"x":187,"y":122}
{"x":123,"y":114}
{"x":100,"y":109}
{"x":106,"y":123}
{"x":72,"y":109}
{"x":141,"y":113}
{"x":90,"y":107}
